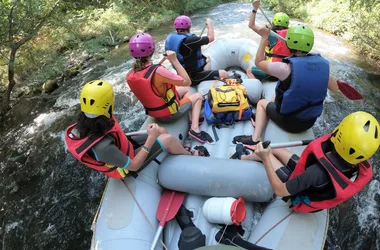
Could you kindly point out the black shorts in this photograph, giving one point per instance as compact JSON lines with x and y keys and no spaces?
{"x":284,"y":172}
{"x":198,"y":77}
{"x":289,"y":124}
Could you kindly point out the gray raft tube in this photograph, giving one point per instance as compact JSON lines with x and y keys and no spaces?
{"x":233,"y":54}
{"x":216,"y":177}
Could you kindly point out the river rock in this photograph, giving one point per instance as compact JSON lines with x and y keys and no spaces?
{"x":50,"y":85}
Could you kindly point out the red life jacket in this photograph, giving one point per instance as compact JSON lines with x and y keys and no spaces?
{"x":344,"y":187}
{"x":155,"y":105}
{"x":279,"y":50}
{"x":80,"y":147}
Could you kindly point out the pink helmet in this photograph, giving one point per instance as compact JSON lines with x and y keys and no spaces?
{"x":141,"y":45}
{"x":182,"y":22}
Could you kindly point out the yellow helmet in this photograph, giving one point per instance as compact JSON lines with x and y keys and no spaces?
{"x":97,"y":98}
{"x":357,"y":138}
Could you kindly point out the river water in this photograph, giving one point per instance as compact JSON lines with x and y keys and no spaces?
{"x":48,"y":200}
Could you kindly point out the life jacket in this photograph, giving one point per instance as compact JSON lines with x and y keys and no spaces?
{"x":79,"y":148}
{"x":194,"y":60}
{"x":344,"y":187}
{"x":308,"y":88}
{"x":277,"y":50}
{"x":155,"y":105}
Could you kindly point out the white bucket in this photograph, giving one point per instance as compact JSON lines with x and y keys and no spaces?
{"x":226,"y":211}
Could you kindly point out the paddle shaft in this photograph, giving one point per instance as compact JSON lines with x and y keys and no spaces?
{"x":286,"y":144}
{"x":162,"y":222}
{"x":265,"y":15}
{"x":141,"y":132}
{"x":204,"y":27}
{"x":168,"y":207}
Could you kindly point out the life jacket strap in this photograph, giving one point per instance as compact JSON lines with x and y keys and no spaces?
{"x":168,"y":104}
{"x":297,"y":111}
{"x":274,"y":55}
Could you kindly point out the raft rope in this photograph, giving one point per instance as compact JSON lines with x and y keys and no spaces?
{"x":143,"y":213}
{"x":275,"y":225}
{"x":225,"y":228}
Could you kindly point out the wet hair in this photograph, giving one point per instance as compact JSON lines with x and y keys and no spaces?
{"x":139,"y":63}
{"x":274,"y":28}
{"x":293,"y":51}
{"x":98,"y":125}
{"x":183,"y":30}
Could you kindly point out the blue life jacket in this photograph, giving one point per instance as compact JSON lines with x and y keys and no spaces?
{"x":308,"y":87}
{"x":194,"y":60}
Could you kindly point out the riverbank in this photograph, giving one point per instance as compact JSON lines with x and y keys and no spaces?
{"x":80,"y":34}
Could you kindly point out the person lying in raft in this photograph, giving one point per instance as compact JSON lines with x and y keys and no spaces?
{"x":320,"y":177}
{"x":301,"y":89}
{"x":164,"y":94}
{"x":188,"y":49}
{"x":275,"y":49}
{"x":98,"y":141}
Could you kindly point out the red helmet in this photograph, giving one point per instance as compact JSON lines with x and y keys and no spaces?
{"x":182,"y":22}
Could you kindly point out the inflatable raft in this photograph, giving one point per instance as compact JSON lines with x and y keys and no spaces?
{"x":126,"y":218}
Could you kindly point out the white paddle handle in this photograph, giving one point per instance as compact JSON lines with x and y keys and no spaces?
{"x":156,"y":237}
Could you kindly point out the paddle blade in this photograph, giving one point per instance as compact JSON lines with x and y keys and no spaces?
{"x":349,"y":91}
{"x":169,"y":205}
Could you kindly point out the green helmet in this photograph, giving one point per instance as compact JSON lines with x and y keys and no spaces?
{"x":300,"y":37}
{"x":281,"y":19}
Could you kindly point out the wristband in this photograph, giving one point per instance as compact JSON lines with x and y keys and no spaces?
{"x":146,"y":149}
{"x":254,"y":11}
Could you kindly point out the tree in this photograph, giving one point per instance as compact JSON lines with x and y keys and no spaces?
{"x":20,"y":21}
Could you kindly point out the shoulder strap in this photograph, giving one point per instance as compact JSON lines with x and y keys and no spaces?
{"x":151,"y":70}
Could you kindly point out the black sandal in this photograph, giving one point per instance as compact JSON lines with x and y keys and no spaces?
{"x":244,"y":139}
{"x":202,"y":151}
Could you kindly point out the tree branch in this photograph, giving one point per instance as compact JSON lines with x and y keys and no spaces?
{"x":10,"y":19}
{"x":39,"y":25}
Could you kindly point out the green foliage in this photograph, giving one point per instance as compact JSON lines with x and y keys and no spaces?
{"x":355,"y":20}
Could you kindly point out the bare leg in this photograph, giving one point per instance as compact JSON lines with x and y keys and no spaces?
{"x":276,"y":164}
{"x":282,"y":155}
{"x":223,"y":74}
{"x":172,"y":146}
{"x":208,"y":64}
{"x":261,"y":119}
{"x":182,"y":90}
{"x":196,"y":101}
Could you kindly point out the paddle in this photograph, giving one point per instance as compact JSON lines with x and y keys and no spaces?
{"x":141,"y":132}
{"x":279,"y":145}
{"x":349,"y":91}
{"x":204,"y":27}
{"x":168,"y":207}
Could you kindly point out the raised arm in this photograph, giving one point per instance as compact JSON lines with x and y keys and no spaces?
{"x":210,"y":30}
{"x":252,"y":25}
{"x":172,"y":57}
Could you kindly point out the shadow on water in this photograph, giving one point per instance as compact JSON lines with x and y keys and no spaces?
{"x":48,"y":200}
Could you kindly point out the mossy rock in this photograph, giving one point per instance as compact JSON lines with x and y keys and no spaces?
{"x":50,"y":85}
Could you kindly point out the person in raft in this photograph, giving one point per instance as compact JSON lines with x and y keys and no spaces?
{"x":98,"y":141}
{"x":301,"y":89}
{"x":188,"y":49}
{"x":275,"y":49}
{"x":324,"y":175}
{"x":164,"y":94}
